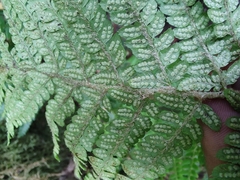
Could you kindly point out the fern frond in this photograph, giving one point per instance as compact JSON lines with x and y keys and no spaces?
{"x":57,"y":110}
{"x":188,"y":166}
{"x":226,"y":172}
{"x":27,"y":105}
{"x":230,"y":154}
{"x":233,"y":97}
{"x":233,"y":123}
{"x":127,"y":118}
{"x":233,"y":139}
{"x":120,"y":135}
{"x":175,"y":134}
{"x":220,"y":13}
{"x":3,"y":80}
{"x":232,"y":73}
{"x":90,"y":128}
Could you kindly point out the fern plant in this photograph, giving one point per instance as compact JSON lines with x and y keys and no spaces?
{"x":132,"y":94}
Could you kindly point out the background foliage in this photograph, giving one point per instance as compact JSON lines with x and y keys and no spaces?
{"x":124,"y":81}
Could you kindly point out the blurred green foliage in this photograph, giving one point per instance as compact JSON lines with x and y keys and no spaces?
{"x":30,"y":157}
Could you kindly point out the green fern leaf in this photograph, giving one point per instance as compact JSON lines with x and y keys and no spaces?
{"x":233,"y":139}
{"x":170,"y":55}
{"x":214,"y":4}
{"x":233,"y":97}
{"x":199,"y":68}
{"x":189,"y":2}
{"x":104,"y":78}
{"x":193,"y":56}
{"x":54,"y":130}
{"x":28,"y":105}
{"x":118,"y":131}
{"x":3,"y":80}
{"x":197,"y":83}
{"x":147,"y":81}
{"x":232,"y":73}
{"x":226,"y":172}
{"x":219,"y":46}
{"x":233,"y":123}
{"x":223,"y":58}
{"x":196,"y":10}
{"x":57,"y":110}
{"x":177,"y":71}
{"x":157,"y":24}
{"x":184,"y":141}
{"x":184,"y":33}
{"x":6,"y":56}
{"x":109,"y":174}
{"x":209,"y":117}
{"x":236,"y":24}
{"x":229,"y":154}
{"x":146,"y":66}
{"x":121,"y":177}
{"x":165,"y":40}
{"x":178,"y":21}
{"x":131,"y":31}
{"x":135,"y":169}
{"x":188,"y":45}
{"x":90,"y":93}
{"x":222,"y":29}
{"x":78,"y":160}
{"x":108,"y":5}
{"x":73,"y":73}
{"x":217,"y":15}
{"x":186,"y":104}
{"x":187,"y":167}
{"x":122,"y":96}
{"x":123,"y":18}
{"x":130,"y":78}
{"x":149,"y":12}
{"x":93,"y":127}
{"x":116,"y":50}
{"x":102,"y":26}
{"x":194,"y":131}
{"x":173,"y":9}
